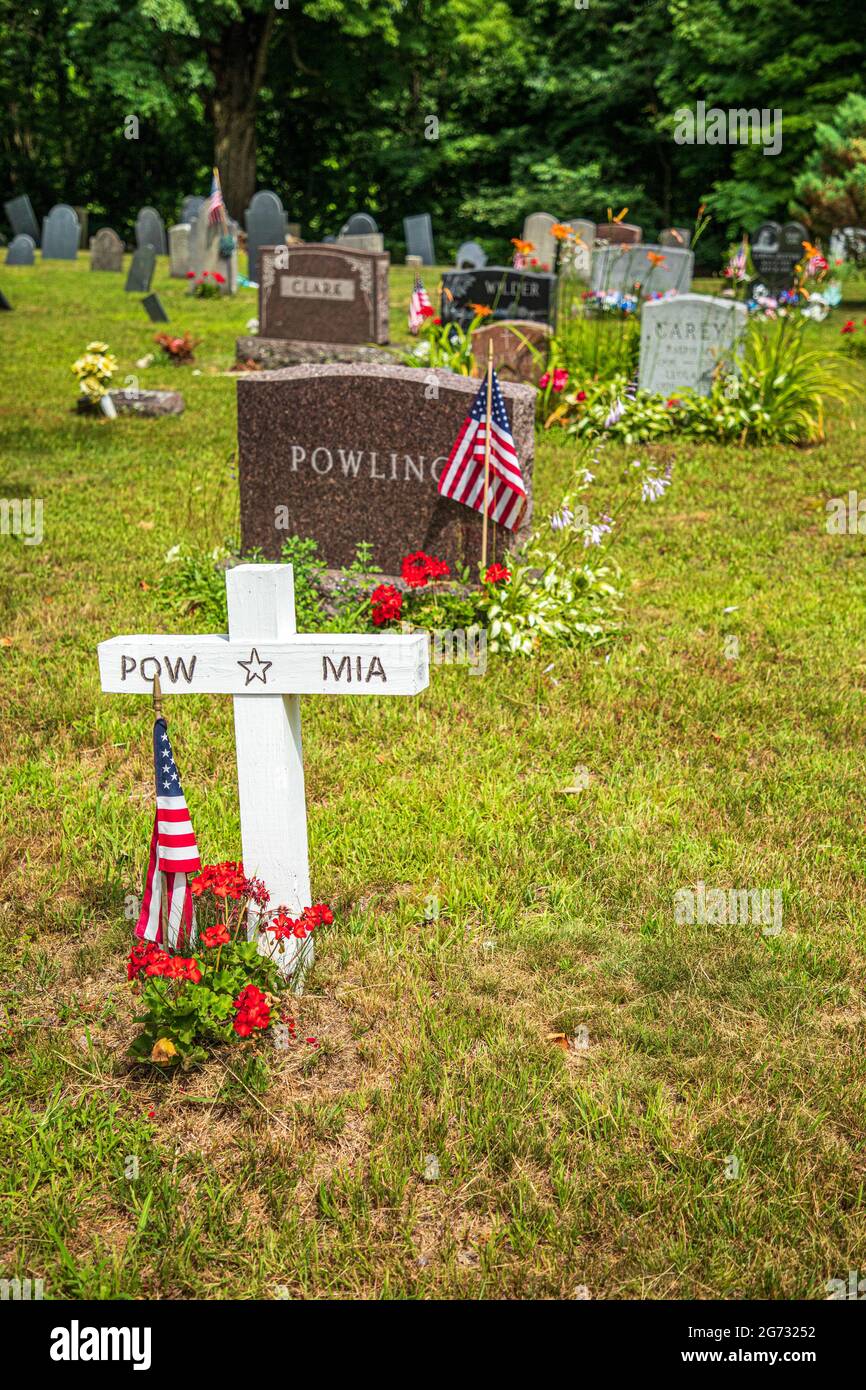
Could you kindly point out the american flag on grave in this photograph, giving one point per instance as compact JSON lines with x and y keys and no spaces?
{"x":173,"y":853}
{"x":420,"y":307}
{"x":462,"y":478}
{"x":215,"y":201}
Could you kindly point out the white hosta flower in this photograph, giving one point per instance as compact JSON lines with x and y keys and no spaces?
{"x":654,"y":488}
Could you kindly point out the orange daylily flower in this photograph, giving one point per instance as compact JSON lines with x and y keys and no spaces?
{"x":655,"y":257}
{"x":524,"y":247}
{"x":562,"y":231}
{"x":447,"y":293}
{"x":620,"y":215}
{"x":810,"y":249}
{"x":481,"y":310}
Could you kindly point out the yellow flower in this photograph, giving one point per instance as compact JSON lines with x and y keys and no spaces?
{"x":96,"y":347}
{"x":163,"y":1050}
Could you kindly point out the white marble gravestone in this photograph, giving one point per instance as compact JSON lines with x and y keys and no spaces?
{"x":266,"y":665}
{"x":576,"y":255}
{"x":178,"y":250}
{"x":683,"y":339}
{"x":624,"y":267}
{"x":536,"y":229}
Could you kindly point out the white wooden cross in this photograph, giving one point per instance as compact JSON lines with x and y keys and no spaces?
{"x":265,"y":664}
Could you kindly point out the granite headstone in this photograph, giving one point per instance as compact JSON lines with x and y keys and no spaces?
{"x":362,"y":241}
{"x":683,"y":340}
{"x":140,"y":270}
{"x":618,"y":233}
{"x":22,"y":250}
{"x":319,"y":293}
{"x":153,"y":307}
{"x":178,"y":250}
{"x":359,"y":224}
{"x":470,"y":256}
{"x":22,"y":217}
{"x":506,"y":292}
{"x":519,"y":349}
{"x":265,"y":221}
{"x":106,"y":250}
{"x":60,"y":234}
{"x":347,"y":453}
{"x":624,"y":267}
{"x":150,"y":231}
{"x":418,"y":232}
{"x":776,"y":250}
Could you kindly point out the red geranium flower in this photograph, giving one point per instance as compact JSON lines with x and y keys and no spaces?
{"x":849,"y":326}
{"x":216,"y":936}
{"x":220,"y":279}
{"x":581,"y":396}
{"x":418,"y":568}
{"x":497,"y":574}
{"x":253,"y":1011}
{"x":190,"y":275}
{"x":387,"y":604}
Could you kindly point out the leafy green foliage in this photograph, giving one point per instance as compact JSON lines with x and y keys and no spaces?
{"x":832,"y":186}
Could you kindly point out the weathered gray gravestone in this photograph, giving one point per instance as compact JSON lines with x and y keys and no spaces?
{"x":470,"y":256}
{"x":178,"y":250}
{"x":22,"y":249}
{"x":625,"y":267}
{"x":359,"y":224}
{"x":506,"y":292}
{"x":536,"y":229}
{"x":60,"y":233}
{"x":848,"y":244}
{"x":106,"y":250}
{"x":141,"y":271}
{"x":150,"y":231}
{"x":351,"y":453}
{"x":205,"y":245}
{"x":575,"y":254}
{"x":22,"y":217}
{"x":153,"y":307}
{"x":266,"y":222}
{"x":323,"y":294}
{"x":684,"y":339}
{"x":190,"y":208}
{"x":418,"y":231}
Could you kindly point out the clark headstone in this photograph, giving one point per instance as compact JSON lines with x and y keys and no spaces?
{"x":190,"y":207}
{"x":106,"y":250}
{"x":60,"y":234}
{"x":153,"y":307}
{"x":684,"y":339}
{"x":507,"y":293}
{"x":347,"y":453}
{"x":317,"y":293}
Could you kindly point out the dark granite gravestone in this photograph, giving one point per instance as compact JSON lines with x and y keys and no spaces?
{"x":83,"y":216}
{"x":153,"y":307}
{"x":22,"y":249}
{"x":22,"y":217}
{"x":4,"y":302}
{"x":776,"y":251}
{"x":676,"y":236}
{"x":106,"y":250}
{"x":519,"y":349}
{"x":150,"y":231}
{"x":419,"y":238}
{"x":508,"y":293}
{"x":60,"y":234}
{"x":619,"y":233}
{"x":345,"y":454}
{"x":323,"y":294}
{"x":470,"y":256}
{"x":359,"y":224}
{"x":141,"y":271}
{"x":265,"y":222}
{"x":189,"y":208}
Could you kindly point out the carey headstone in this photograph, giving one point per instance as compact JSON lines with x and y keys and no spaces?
{"x":150,"y":231}
{"x":349,"y":453}
{"x":265,"y":221}
{"x":317,"y":293}
{"x":536,"y":229}
{"x":656,"y":269}
{"x":519,"y":349}
{"x":776,"y":250}
{"x":22,"y":217}
{"x":22,"y":250}
{"x":140,"y":270}
{"x":507,"y":293}
{"x":470,"y":256}
{"x":418,"y":231}
{"x":106,"y":250}
{"x":60,"y":234}
{"x":178,"y":250}
{"x":684,"y":339}
{"x":618,"y":233}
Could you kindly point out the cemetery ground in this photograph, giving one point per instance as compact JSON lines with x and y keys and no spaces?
{"x":430,"y":1043}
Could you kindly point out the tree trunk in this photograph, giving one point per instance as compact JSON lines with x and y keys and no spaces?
{"x":237,"y":62}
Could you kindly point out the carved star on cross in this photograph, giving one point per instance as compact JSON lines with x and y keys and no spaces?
{"x":255,"y":669}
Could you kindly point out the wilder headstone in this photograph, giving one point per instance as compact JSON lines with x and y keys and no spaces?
{"x":22,"y":250}
{"x":178,"y":250}
{"x":153,"y":307}
{"x":418,"y":232}
{"x":140,"y":271}
{"x":536,"y":229}
{"x":265,"y":221}
{"x":323,"y":294}
{"x":150,"y":231}
{"x":351,"y":453}
{"x":684,"y":339}
{"x":470,"y":256}
{"x":60,"y":234}
{"x":626,"y":267}
{"x":106,"y":250}
{"x":506,"y":292}
{"x":618,"y":233}
{"x":776,"y":250}
{"x":22,"y":217}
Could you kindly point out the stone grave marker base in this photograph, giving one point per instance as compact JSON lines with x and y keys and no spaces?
{"x":286,"y":352}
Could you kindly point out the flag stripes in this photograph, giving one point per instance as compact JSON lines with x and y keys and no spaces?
{"x":173,"y":854}
{"x":462,"y":478}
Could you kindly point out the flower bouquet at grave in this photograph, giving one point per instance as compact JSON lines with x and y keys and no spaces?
{"x":205,"y":284}
{"x":447,"y":344}
{"x":179,"y":350}
{"x":220,"y":988}
{"x":94,"y":371}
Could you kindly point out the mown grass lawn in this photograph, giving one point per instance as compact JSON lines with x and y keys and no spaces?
{"x":301,"y":1173}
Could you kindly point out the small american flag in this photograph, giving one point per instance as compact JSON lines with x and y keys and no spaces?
{"x":173,"y":852}
{"x":215,"y":201}
{"x":420,"y":307}
{"x":463,"y":475}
